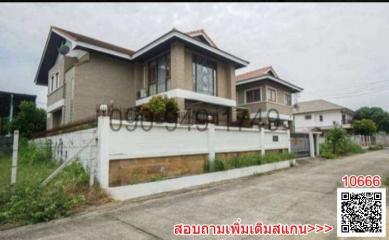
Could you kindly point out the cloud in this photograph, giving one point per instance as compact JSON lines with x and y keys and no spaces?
{"x":334,"y":51}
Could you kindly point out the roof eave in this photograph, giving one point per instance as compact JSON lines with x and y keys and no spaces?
{"x":182,"y":36}
{"x":282,"y":82}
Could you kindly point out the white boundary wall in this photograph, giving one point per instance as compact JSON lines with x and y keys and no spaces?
{"x":158,"y":141}
{"x":66,"y":145}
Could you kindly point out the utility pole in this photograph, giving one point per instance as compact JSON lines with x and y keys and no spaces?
{"x":15,"y":157}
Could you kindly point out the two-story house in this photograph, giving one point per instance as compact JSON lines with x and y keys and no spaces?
{"x":321,"y":115}
{"x":81,"y":73}
{"x":266,"y":96}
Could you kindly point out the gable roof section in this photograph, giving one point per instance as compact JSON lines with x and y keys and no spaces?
{"x":78,"y":41}
{"x":92,"y":41}
{"x":178,"y":35}
{"x":318,"y":105}
{"x":263,"y":74}
{"x":203,"y":34}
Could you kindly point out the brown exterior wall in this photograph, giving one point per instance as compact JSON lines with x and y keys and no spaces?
{"x":131,"y":171}
{"x":99,"y":81}
{"x":265,"y":105}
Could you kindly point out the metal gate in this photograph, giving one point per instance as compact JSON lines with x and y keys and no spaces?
{"x":300,"y":144}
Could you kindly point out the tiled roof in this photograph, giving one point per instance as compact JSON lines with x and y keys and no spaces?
{"x":202,"y":32}
{"x":316,"y":106}
{"x":86,"y":39}
{"x":255,"y":73}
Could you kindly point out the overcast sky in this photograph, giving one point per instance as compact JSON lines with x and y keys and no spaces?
{"x":338,"y":52}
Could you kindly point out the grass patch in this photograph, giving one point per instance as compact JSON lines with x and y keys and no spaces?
{"x":386,"y":181}
{"x":246,"y":161}
{"x":28,"y":202}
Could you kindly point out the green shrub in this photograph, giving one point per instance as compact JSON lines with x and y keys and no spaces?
{"x":216,"y":165}
{"x":29,"y":202}
{"x":32,"y":153}
{"x":246,"y":161}
{"x":338,"y":144}
{"x":386,"y":181}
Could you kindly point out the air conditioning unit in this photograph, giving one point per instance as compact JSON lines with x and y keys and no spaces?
{"x":142,"y":93}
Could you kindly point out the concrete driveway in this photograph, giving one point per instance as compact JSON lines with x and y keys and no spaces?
{"x":303,"y":194}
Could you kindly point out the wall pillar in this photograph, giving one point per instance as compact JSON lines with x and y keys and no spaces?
{"x":289,"y":142}
{"x":263,"y":145}
{"x":103,"y":129}
{"x":311,"y":145}
{"x":317,"y":144}
{"x":211,"y":142}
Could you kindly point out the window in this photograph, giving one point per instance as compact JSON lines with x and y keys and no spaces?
{"x":253,"y":95}
{"x":204,"y":75}
{"x":308,"y":117}
{"x":343,"y":119}
{"x":275,"y":138}
{"x":159,"y":74}
{"x":288,"y":99}
{"x":271,"y":95}
{"x":321,"y":118}
{"x":56,"y":80}
{"x":52,"y":84}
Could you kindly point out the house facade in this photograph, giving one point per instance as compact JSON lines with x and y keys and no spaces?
{"x":265,"y":95}
{"x":82,"y":73}
{"x":321,"y":115}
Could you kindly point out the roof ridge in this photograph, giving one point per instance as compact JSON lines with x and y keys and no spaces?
{"x":256,"y":70}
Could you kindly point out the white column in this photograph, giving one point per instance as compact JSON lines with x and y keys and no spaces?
{"x":211,"y":142}
{"x":311,"y":145}
{"x":289,"y":143}
{"x":263,"y":145}
{"x":15,"y":156}
{"x":103,"y":130}
{"x":317,"y":144}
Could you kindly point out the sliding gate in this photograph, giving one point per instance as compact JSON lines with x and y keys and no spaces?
{"x":300,"y":144}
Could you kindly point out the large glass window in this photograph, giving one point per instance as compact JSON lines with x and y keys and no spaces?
{"x":159,"y":74}
{"x":204,"y":75}
{"x":253,"y":95}
{"x":271,"y":95}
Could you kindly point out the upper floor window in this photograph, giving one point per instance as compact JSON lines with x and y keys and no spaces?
{"x":343,"y":119}
{"x":159,"y":74}
{"x":204,"y":75}
{"x":54,"y":83}
{"x":253,"y":95}
{"x":308,"y":117}
{"x":321,"y":118}
{"x":271,"y":95}
{"x":288,"y":99}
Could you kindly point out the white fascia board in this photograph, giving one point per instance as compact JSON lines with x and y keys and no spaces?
{"x":192,"y":41}
{"x":271,"y":115}
{"x":271,"y":78}
{"x":56,"y":105}
{"x":186,"y":94}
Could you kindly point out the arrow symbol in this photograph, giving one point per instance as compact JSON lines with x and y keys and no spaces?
{"x":311,"y":228}
{"x":319,"y":228}
{"x":328,"y":228}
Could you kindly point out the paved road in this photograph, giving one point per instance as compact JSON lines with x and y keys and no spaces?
{"x":304,"y":194}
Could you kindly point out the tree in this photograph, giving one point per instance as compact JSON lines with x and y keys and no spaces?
{"x":376,"y":114}
{"x":336,"y":138}
{"x":29,"y":120}
{"x":364,"y":127}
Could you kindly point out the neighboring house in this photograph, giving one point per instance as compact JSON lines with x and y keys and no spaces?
{"x":82,"y":72}
{"x":321,"y":115}
{"x":9,"y":103}
{"x":264,"y":95}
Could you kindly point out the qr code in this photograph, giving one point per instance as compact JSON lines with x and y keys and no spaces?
{"x":361,"y":212}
